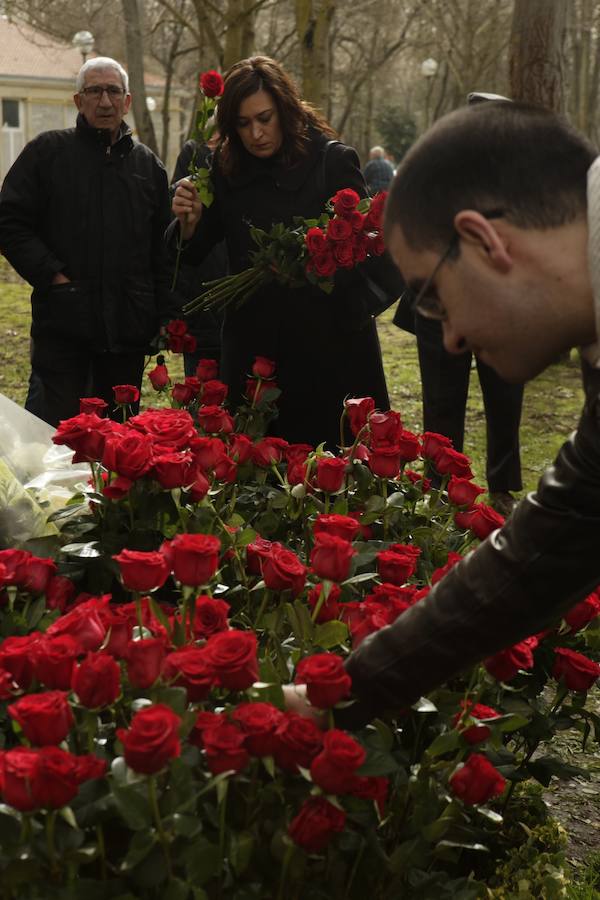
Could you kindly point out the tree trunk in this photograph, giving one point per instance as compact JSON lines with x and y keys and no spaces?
{"x":536,"y":52}
{"x":313,"y":20}
{"x":135,"y":65}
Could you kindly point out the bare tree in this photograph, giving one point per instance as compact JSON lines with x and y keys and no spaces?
{"x":135,"y":66}
{"x":536,"y":52}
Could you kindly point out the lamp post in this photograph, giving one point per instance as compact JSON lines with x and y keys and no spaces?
{"x":429,"y":69}
{"x":84,"y":42}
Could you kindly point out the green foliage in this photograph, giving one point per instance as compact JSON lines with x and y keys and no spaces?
{"x":398,"y":130}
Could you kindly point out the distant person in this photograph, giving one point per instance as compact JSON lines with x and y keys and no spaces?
{"x":204,"y":326}
{"x":378,"y":171}
{"x":82,"y":217}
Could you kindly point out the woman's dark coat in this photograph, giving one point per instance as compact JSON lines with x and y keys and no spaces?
{"x":325,"y":346}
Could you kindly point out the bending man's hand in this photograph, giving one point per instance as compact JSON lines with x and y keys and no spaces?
{"x":187,"y":206}
{"x":296,"y":702}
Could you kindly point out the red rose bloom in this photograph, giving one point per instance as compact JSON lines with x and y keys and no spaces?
{"x":211,"y":83}
{"x":16,"y":657}
{"x":210,"y":616}
{"x":142,"y":571}
{"x":385,"y":461}
{"x":331,"y":557}
{"x":93,"y":405}
{"x":182,"y":394}
{"x":36,"y":574}
{"x":159,"y":377}
{"x":385,"y":428}
{"x":357,"y":410}
{"x":331,"y":473}
{"x":152,"y":740}
{"x":60,"y":774}
{"x":477,"y":781}
{"x":503,"y":666}
{"x":283,"y":571}
{"x":84,"y":623}
{"x":173,"y":427}
{"x":482,"y":520}
{"x":462,"y":491}
{"x":345,"y":202}
{"x":316,"y":824}
{"x":53,"y":661}
{"x":343,"y":253}
{"x":215,"y":420}
{"x":475,"y":734}
{"x":207,"y":451}
{"x":316,"y":241}
{"x":263,"y":367}
{"x":409,"y":446}
{"x":213,"y":392}
{"x":339,"y":230}
{"x":398,"y":563}
{"x":44,"y":718}
{"x":144,"y":661}
{"x":324,"y":264}
{"x":126,"y":394}
{"x":194,"y":558}
{"x":259,"y":722}
{"x":207,"y":369}
{"x":177,"y":326}
{"x":240,"y":448}
{"x":97,"y":681}
{"x":190,"y":668}
{"x":232,"y":655}
{"x":325,"y":677}
{"x":433,"y":445}
{"x":583,"y":613}
{"x":577,"y":671}
{"x":85,"y":434}
{"x":59,"y":591}
{"x":189,"y":345}
{"x":371,"y":787}
{"x":450,"y":462}
{"x":173,"y":469}
{"x":256,"y":552}
{"x":345,"y":527}
{"x":204,"y":721}
{"x":267,"y":452}
{"x":19,"y":776}
{"x":14,"y":562}
{"x":297,"y":742}
{"x":334,"y":767}
{"x":129,"y":454}
{"x":224,"y":747}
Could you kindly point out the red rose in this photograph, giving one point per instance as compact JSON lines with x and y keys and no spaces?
{"x":177,"y":326}
{"x":93,"y":405}
{"x":211,"y":83}
{"x":213,"y":392}
{"x":385,"y":461}
{"x":194,"y":558}
{"x":159,"y":377}
{"x":583,"y":613}
{"x":44,"y":718}
{"x":360,"y":242}
{"x":316,"y":823}
{"x":438,"y":574}
{"x":475,"y":734}
{"x":345,"y":202}
{"x":343,"y":253}
{"x":97,"y":681}
{"x":477,"y":781}
{"x":240,"y":448}
{"x":19,"y":775}
{"x":267,"y":452}
{"x":14,"y":562}
{"x":85,"y":434}
{"x":173,"y":469}
{"x":345,"y":527}
{"x":256,"y":552}
{"x":204,"y":721}
{"x":144,"y":661}
{"x":53,"y":661}
{"x":152,"y":740}
{"x":142,"y":571}
{"x":297,"y":742}
{"x":334,"y":767}
{"x":84,"y":623}
{"x":331,"y":557}
{"x":462,"y":491}
{"x":7,"y":685}
{"x":315,"y":240}
{"x":210,"y":616}
{"x":385,"y":427}
{"x":331,"y":473}
{"x":263,"y":367}
{"x":397,"y":565}
{"x":176,"y":343}
{"x":207,"y":369}
{"x":129,"y":454}
{"x":60,"y":774}
{"x":59,"y":591}
{"x":259,"y":722}
{"x":577,"y":671}
{"x":126,"y":394}
{"x":283,"y":571}
{"x":182,"y":394}
{"x":339,"y":229}
{"x":371,"y":787}
{"x":417,"y":478}
{"x":190,"y":668}
{"x":409,"y":447}
{"x":224,"y":746}
{"x":503,"y":666}
{"x":433,"y":445}
{"x":215,"y":420}
{"x":450,"y":462}
{"x":357,"y":410}
{"x":208,"y":451}
{"x":325,"y":677}
{"x":364,"y":619}
{"x":173,"y":427}
{"x":324,"y":264}
{"x":232,"y":654}
{"x":483,"y":520}
{"x":36,"y":574}
{"x":16,"y":657}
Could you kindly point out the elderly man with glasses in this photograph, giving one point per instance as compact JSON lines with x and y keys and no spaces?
{"x":82,"y":216}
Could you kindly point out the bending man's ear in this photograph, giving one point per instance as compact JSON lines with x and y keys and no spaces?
{"x":484,"y":235}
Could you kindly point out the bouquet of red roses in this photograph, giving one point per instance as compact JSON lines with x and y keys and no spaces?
{"x":346,"y":233}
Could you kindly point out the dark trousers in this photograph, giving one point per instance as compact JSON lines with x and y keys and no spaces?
{"x":445,"y":387}
{"x":59,"y":387}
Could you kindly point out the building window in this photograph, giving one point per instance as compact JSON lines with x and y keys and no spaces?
{"x":10,"y":114}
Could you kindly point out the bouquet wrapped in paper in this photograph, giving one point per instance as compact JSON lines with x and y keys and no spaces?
{"x":346,"y":234}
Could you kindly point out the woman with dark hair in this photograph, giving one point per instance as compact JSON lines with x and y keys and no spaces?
{"x":276,"y":160}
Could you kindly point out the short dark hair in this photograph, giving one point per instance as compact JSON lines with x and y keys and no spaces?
{"x":524,"y":161}
{"x":296,"y":116}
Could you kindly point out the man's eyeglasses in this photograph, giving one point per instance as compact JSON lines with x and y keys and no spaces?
{"x":426,"y":301}
{"x":96,"y":90}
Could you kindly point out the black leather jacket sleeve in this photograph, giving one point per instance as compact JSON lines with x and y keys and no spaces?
{"x":520,"y":580}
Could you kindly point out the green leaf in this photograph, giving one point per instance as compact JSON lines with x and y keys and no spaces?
{"x":176,"y":890}
{"x":396,"y":500}
{"x":444,"y":743}
{"x":240,"y":850}
{"x":358,"y":579}
{"x":133,"y":806}
{"x":140,"y":846}
{"x":378,"y":763}
{"x":331,"y":634}
{"x":545,"y":767}
{"x":202,"y":861}
{"x":186,"y":826}
{"x":84,"y":551}
{"x":265,"y":692}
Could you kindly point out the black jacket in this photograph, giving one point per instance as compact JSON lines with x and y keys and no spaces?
{"x":325,"y":346}
{"x":519,"y":581}
{"x":72,"y":203}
